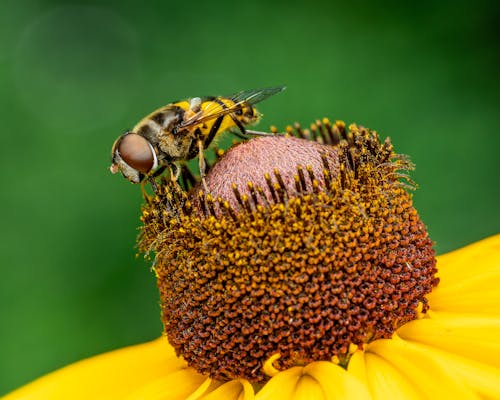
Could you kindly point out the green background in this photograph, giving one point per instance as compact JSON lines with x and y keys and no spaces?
{"x":75,"y":76}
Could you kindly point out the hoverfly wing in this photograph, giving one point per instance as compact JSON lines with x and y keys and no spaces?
{"x":255,"y":96}
{"x":251,"y":97}
{"x":208,"y":114}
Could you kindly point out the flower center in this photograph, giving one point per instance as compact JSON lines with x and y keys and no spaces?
{"x":301,"y":248}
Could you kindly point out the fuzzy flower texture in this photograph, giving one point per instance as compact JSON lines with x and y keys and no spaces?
{"x":301,"y":270}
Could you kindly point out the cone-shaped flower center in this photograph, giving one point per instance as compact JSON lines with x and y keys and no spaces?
{"x":299,"y":248}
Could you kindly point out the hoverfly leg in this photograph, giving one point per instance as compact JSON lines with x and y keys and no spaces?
{"x":245,"y":131}
{"x":145,"y":194}
{"x":154,"y":185}
{"x":238,"y":134}
{"x":205,"y":186}
{"x":202,"y":165}
{"x":238,"y":124}
{"x":152,"y":181}
{"x":257,"y":133}
{"x":175,"y":172}
{"x":159,"y":171}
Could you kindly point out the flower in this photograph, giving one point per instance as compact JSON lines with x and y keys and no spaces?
{"x":325,"y":254}
{"x":314,"y":280}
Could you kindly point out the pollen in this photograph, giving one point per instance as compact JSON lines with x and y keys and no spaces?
{"x":304,"y":248}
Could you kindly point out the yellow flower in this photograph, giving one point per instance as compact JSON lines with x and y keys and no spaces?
{"x":454,"y":352}
{"x":320,"y":284}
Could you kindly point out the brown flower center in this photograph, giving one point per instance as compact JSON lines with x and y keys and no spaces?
{"x":301,"y":248}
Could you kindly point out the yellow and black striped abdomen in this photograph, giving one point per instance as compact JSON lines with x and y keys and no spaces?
{"x":218,"y":114}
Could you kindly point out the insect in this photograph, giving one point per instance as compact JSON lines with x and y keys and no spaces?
{"x":181,"y":131}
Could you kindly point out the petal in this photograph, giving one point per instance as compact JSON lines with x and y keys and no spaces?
{"x":239,"y":389}
{"x":415,"y":372}
{"x":382,"y":378}
{"x":308,"y":388}
{"x":281,"y":386}
{"x":468,"y":260}
{"x":336,"y":382}
{"x":177,"y":385}
{"x":474,"y":337}
{"x":480,"y":377}
{"x":114,"y":375}
{"x":469,"y":279}
{"x":318,"y":380}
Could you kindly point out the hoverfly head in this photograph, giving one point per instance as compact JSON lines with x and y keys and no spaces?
{"x":134,"y":156}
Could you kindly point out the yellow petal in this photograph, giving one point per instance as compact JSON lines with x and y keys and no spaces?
{"x":480,"y":377}
{"x":383,"y":380}
{"x":307,"y":389}
{"x":470,"y":278}
{"x":206,"y":387}
{"x":336,"y":382}
{"x":281,"y":386}
{"x":316,"y":381}
{"x":239,"y":389}
{"x":484,"y":379}
{"x":468,"y":260}
{"x":420,"y":369}
{"x":474,"y":337}
{"x":177,"y":385}
{"x":477,"y":294}
{"x":112,"y":375}
{"x":471,"y":301}
{"x":357,"y":366}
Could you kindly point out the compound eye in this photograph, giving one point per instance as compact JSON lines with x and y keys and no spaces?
{"x":137,"y":152}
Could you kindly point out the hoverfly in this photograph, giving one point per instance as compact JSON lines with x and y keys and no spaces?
{"x":181,"y":131}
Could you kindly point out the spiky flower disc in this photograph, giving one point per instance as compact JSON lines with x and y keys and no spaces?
{"x":320,"y":253}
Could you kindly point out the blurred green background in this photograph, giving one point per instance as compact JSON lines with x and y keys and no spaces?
{"x":76,"y":75}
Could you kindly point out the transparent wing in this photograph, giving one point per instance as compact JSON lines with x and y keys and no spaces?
{"x":245,"y":97}
{"x":255,"y":96}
